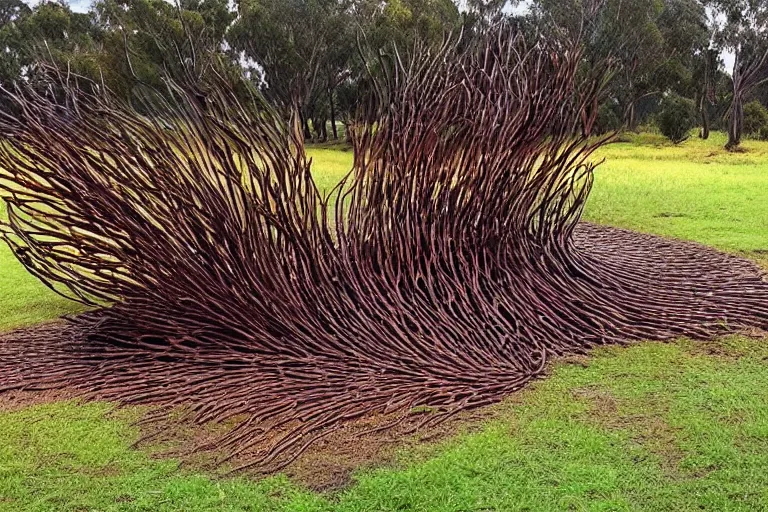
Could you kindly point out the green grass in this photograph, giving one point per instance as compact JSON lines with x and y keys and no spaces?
{"x":650,"y":427}
{"x":695,"y":191}
{"x":331,"y":166}
{"x":680,"y":426}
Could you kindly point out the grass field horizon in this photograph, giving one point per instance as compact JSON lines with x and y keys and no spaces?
{"x":677,"y":426}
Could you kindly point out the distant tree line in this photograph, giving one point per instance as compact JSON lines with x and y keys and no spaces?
{"x":318,"y":56}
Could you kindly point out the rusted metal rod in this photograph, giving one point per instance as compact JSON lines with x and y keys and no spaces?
{"x":443,"y":271}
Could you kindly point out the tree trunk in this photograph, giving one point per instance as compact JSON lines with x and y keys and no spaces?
{"x":735,"y":121}
{"x":704,"y":133}
{"x":304,"y":125}
{"x":632,"y":118}
{"x":333,"y":114}
{"x":319,"y":125}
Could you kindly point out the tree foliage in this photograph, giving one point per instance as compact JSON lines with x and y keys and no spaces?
{"x":741,"y":26}
{"x":677,"y":117}
{"x":755,"y":120}
{"x":13,"y":13}
{"x":320,"y":56}
{"x":653,"y":42}
{"x":50,"y":31}
{"x":146,"y":40}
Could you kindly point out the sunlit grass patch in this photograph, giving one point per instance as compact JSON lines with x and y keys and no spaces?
{"x":668,"y":191}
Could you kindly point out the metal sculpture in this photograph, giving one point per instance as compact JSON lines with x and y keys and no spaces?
{"x":444,"y":271}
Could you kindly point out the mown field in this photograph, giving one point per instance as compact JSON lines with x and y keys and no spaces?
{"x":680,"y":426}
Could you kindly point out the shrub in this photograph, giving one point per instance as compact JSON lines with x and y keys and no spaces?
{"x":607,"y":119}
{"x":676,"y":117}
{"x":755,"y":120}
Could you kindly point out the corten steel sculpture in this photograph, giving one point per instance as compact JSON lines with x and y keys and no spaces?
{"x":444,"y":271}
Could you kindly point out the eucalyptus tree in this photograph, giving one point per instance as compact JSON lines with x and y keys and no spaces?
{"x":146,"y":40}
{"x":652,"y":42}
{"x":741,"y":27}
{"x":294,"y":44}
{"x":48,"y":32}
{"x":12,"y":55}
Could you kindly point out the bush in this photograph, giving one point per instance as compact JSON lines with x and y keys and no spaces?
{"x":755,"y":120}
{"x":608,"y":120}
{"x":676,"y":117}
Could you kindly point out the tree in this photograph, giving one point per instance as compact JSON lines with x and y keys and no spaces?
{"x":336,"y":61}
{"x":741,"y":26}
{"x":651,"y":41}
{"x":403,"y":22}
{"x":146,"y":40}
{"x":677,"y":117}
{"x":684,"y":28}
{"x":50,"y":33}
{"x":487,"y":11}
{"x":705,"y":76}
{"x":308,"y":49}
{"x":13,"y":54}
{"x":630,"y":36}
{"x":755,"y":119}
{"x":389,"y":31}
{"x":480,"y":15}
{"x":287,"y":39}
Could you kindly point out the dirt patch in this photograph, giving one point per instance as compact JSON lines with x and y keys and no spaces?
{"x":715,"y":349}
{"x":670,"y":215}
{"x":328,"y":464}
{"x":575,"y":359}
{"x":602,"y":404}
{"x":727,"y":348}
{"x":760,"y":257}
{"x":12,"y":401}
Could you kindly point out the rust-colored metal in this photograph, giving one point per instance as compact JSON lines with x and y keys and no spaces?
{"x":443,"y":271}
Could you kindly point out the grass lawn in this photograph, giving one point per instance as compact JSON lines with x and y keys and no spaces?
{"x":680,"y":426}
{"x":695,"y":191}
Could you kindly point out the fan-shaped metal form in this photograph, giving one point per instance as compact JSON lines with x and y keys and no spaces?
{"x":444,"y":270}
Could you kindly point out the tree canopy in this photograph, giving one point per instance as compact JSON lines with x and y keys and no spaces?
{"x":317,"y":56}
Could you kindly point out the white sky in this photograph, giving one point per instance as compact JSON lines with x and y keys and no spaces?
{"x":75,"y":5}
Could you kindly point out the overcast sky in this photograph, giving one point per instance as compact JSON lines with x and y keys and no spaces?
{"x":76,"y":5}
